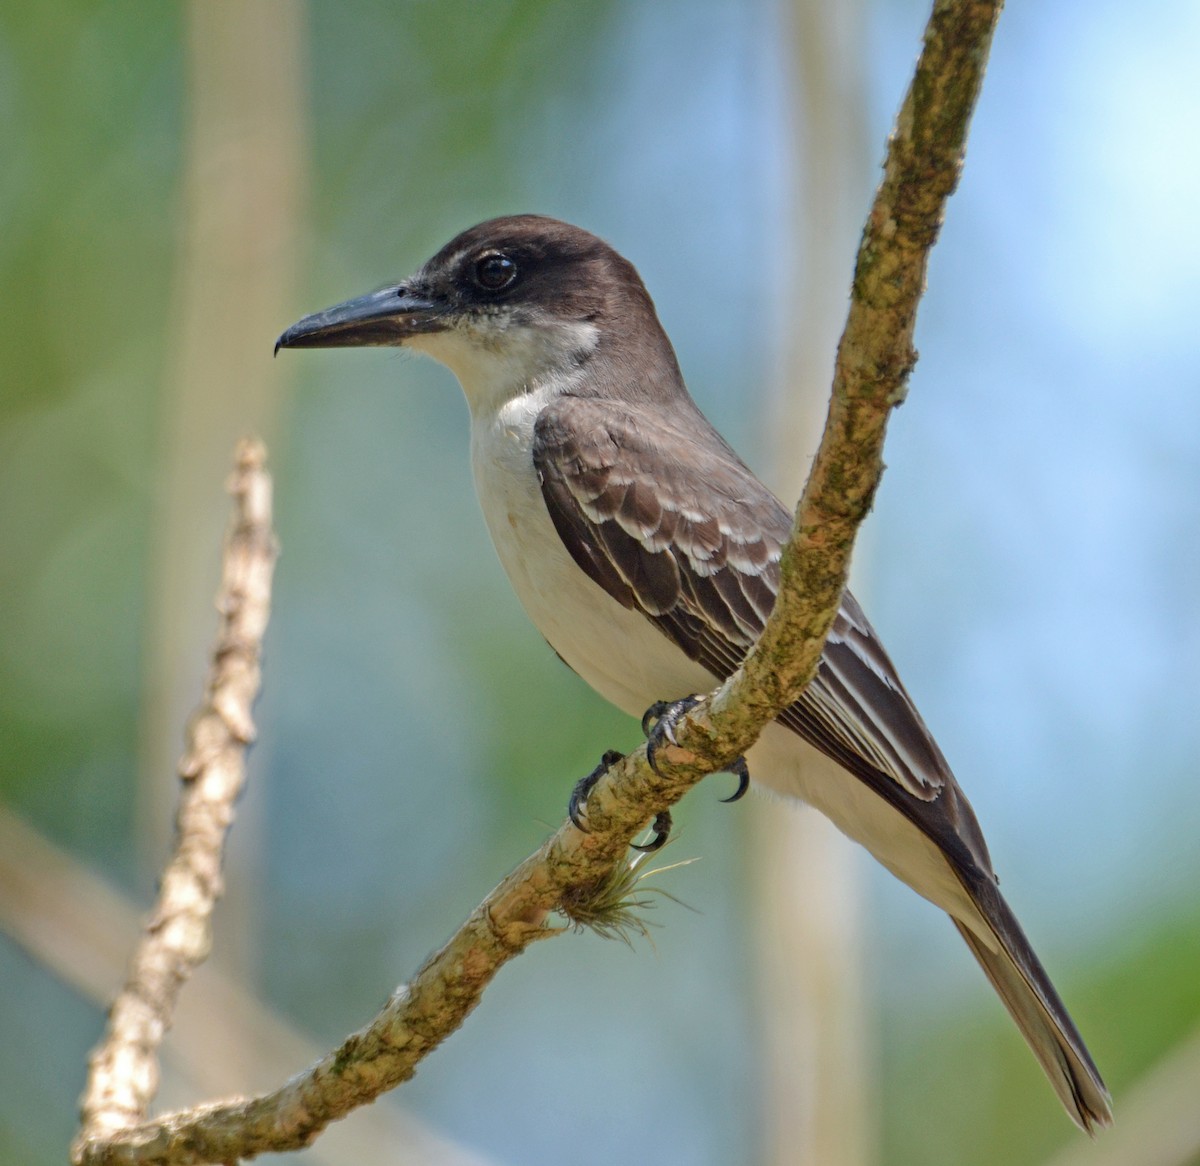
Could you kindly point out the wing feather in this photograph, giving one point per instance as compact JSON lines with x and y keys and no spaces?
{"x":700,"y":557}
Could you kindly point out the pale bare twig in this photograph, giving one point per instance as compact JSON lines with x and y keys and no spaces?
{"x":124,"y":1067}
{"x":80,"y":929}
{"x":874,"y":359}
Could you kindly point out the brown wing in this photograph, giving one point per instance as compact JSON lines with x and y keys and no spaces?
{"x":692,"y":539}
{"x":666,"y":518}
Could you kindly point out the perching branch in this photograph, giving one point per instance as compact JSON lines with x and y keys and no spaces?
{"x":875,"y":357}
{"x":123,"y":1075}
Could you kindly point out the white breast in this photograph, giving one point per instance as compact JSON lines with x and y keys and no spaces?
{"x":617,"y":651}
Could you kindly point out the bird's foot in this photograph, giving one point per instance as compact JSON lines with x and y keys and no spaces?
{"x":577,"y":804}
{"x":658,"y":724}
{"x":659,"y":721}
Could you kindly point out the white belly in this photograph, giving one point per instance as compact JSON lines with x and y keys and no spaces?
{"x":631,"y":663}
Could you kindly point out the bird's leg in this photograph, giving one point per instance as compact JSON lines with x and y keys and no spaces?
{"x":658,"y":723}
{"x":577,"y":804}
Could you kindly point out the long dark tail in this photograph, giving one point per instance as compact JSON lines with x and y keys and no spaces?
{"x":1021,"y":982}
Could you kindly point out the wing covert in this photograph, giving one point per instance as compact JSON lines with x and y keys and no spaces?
{"x":698,"y":555}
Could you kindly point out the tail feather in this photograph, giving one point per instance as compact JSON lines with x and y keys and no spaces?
{"x":1022,"y":984}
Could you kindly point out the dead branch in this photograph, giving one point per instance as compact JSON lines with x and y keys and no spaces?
{"x":123,"y":1075}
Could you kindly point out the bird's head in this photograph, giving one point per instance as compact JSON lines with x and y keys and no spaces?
{"x":508,"y":305}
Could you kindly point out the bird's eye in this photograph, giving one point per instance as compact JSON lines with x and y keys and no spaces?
{"x":495,"y":272}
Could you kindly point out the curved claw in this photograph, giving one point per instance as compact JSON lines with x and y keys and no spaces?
{"x":741,"y":771}
{"x":662,"y":831}
{"x":665,"y":715}
{"x":652,"y":714}
{"x":577,"y":803}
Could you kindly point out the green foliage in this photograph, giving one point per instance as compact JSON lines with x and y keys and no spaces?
{"x":88,"y":198}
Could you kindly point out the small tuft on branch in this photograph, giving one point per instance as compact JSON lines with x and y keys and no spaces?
{"x":615,"y":908}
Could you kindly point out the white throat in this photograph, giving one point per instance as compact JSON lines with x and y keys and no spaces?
{"x":497,"y":360}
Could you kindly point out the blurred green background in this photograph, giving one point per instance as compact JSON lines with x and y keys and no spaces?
{"x":180,"y":182}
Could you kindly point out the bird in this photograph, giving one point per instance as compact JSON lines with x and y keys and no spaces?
{"x":646,"y":552}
